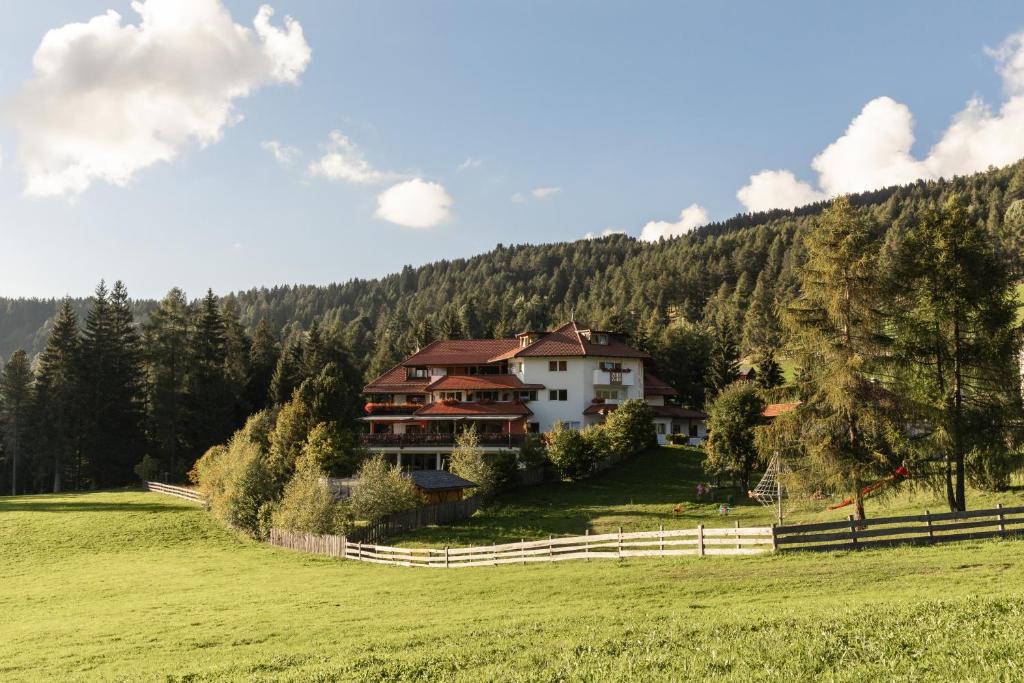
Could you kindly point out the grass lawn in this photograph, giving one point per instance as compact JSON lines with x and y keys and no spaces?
{"x":138,"y":586}
{"x":642,"y":494}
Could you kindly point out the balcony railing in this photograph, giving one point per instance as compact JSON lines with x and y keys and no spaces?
{"x":402,"y":440}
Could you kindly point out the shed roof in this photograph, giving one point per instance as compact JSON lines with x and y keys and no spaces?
{"x":438,"y":480}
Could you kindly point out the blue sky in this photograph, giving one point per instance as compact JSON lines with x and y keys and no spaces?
{"x":633,"y":111}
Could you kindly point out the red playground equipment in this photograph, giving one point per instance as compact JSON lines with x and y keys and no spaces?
{"x":900,"y":473}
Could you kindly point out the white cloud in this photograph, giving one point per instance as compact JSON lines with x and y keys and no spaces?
{"x":875,"y":150}
{"x":470,"y":163}
{"x":344,"y":161}
{"x":776,"y":190}
{"x":415,"y":203}
{"x":604,"y":233}
{"x":545,"y":192}
{"x":107,"y":99}
{"x":689,"y":218}
{"x":283,"y":154}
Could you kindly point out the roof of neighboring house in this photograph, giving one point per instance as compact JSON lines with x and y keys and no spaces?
{"x":438,"y":480}
{"x":395,"y":381}
{"x":473,"y":409}
{"x":570,"y":340}
{"x":479,"y":383}
{"x":776,"y":409}
{"x":747,"y":371}
{"x":655,"y":386}
{"x":659,"y":411}
{"x":461,"y":352}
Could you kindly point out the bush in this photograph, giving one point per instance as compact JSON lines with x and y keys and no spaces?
{"x":382,"y":490}
{"x":630,"y":428}
{"x":569,"y":451}
{"x":598,"y":440}
{"x":237,"y":484}
{"x":468,"y":461}
{"x":148,"y":469}
{"x":732,"y":418}
{"x":307,"y":504}
{"x":532,"y":453}
{"x":990,"y":469}
{"x":337,"y":453}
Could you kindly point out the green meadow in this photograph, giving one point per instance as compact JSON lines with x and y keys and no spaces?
{"x":136,"y":586}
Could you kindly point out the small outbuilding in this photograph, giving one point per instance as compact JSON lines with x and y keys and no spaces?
{"x":439,"y":486}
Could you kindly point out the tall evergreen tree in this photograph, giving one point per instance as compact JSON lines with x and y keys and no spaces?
{"x":959,"y":337}
{"x":210,"y":397}
{"x":15,"y":397}
{"x":168,"y":334}
{"x":263,"y":354}
{"x":724,"y":368}
{"x":57,"y":397}
{"x":769,"y":372}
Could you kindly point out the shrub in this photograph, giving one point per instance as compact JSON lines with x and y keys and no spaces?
{"x":532,"y":453}
{"x":307,"y":504}
{"x":148,"y":469}
{"x":732,"y":417}
{"x":598,"y":440}
{"x":630,"y":428}
{"x":492,"y":473}
{"x":237,"y":484}
{"x":382,"y":490}
{"x":569,"y":451}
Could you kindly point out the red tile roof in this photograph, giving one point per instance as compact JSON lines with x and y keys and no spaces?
{"x":468,"y":409}
{"x":655,"y":386}
{"x":479,"y":383}
{"x":461,"y":352}
{"x":570,"y":340}
{"x":659,"y":411}
{"x":395,"y":381}
{"x":776,"y":409}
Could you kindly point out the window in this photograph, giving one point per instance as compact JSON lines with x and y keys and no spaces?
{"x":557,"y":365}
{"x":415,"y":398}
{"x":482,"y":396}
{"x":608,"y":394}
{"x":558,"y":395}
{"x":525,"y":395}
{"x":693,"y":429}
{"x":574,"y":426}
{"x":660,"y":427}
{"x":601,"y":339}
{"x":533,"y":428}
{"x":609,"y":366}
{"x":417,"y":373}
{"x":451,"y":395}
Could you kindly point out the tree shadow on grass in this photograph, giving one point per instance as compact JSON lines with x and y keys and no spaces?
{"x":80,"y":502}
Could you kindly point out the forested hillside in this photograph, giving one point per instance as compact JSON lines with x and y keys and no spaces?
{"x":614,"y":281}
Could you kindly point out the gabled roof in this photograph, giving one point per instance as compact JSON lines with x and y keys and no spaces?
{"x":473,"y":409}
{"x":395,"y":381}
{"x":479,"y":383}
{"x":570,"y":340}
{"x":776,"y":409}
{"x":461,"y":352}
{"x":438,"y":480}
{"x":655,"y":386}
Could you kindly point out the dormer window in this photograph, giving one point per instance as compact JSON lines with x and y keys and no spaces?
{"x":417,"y":373}
{"x":601,"y":338}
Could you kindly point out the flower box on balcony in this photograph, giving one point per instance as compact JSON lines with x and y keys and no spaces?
{"x":391,"y":408}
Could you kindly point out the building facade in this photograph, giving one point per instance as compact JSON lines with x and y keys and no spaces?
{"x":507,"y":388}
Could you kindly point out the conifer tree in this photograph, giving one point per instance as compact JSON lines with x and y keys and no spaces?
{"x":724,"y":368}
{"x":210,"y":399}
{"x":263,"y":355}
{"x":15,"y":395}
{"x":769,"y":372}
{"x":57,"y":397}
{"x":168,"y":333}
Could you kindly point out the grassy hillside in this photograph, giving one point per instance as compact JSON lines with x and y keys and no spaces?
{"x":644,"y":493}
{"x":135,"y":586}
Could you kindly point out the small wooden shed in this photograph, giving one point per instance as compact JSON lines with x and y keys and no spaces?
{"x":439,"y":486}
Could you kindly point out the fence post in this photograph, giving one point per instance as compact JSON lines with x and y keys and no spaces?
{"x":446,"y":557}
{"x":620,"y":542}
{"x":494,"y":554}
{"x":661,"y":538}
{"x":928,"y":521}
{"x":700,"y":540}
{"x":551,"y":549}
{"x":359,"y":550}
{"x":738,"y":544}
{"x":775,"y":538}
{"x":522,"y":549}
{"x":1002,"y":519}
{"x":586,"y":550}
{"x":853,"y":530}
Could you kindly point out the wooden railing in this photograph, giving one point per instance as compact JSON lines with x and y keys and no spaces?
{"x":416,"y":518}
{"x":662,"y":543}
{"x":506,"y":440}
{"x":172,"y":490}
{"x":923,"y":529}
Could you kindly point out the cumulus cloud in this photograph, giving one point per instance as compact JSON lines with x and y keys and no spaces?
{"x":875,"y":149}
{"x":344,"y":161}
{"x":470,"y":163}
{"x":604,"y":233}
{"x":415,"y":203}
{"x":545,"y":192}
{"x":107,"y":99}
{"x":283,"y":154}
{"x":691,"y":217}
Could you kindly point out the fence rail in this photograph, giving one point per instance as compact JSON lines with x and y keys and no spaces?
{"x":172,"y":490}
{"x":416,"y":518}
{"x":662,"y":543}
{"x":928,"y":528}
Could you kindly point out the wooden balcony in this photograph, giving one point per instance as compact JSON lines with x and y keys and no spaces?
{"x":403,"y":440}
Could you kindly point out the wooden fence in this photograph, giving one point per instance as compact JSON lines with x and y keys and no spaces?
{"x":171,"y":490}
{"x":662,"y":543}
{"x":909,"y":529}
{"x":417,"y":518}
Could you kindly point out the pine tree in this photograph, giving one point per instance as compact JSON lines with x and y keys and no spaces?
{"x":769,"y":372}
{"x":128,"y":386}
{"x":58,"y":404}
{"x":837,"y":327}
{"x":237,"y":359}
{"x":761,"y":327}
{"x":959,"y":337}
{"x":287,"y":373}
{"x":210,"y":399}
{"x":168,"y":333}
{"x":15,"y":395}
{"x":725,"y":363}
{"x":263,"y":355}
{"x":95,"y":373}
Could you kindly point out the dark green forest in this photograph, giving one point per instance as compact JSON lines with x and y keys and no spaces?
{"x":93,"y":385}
